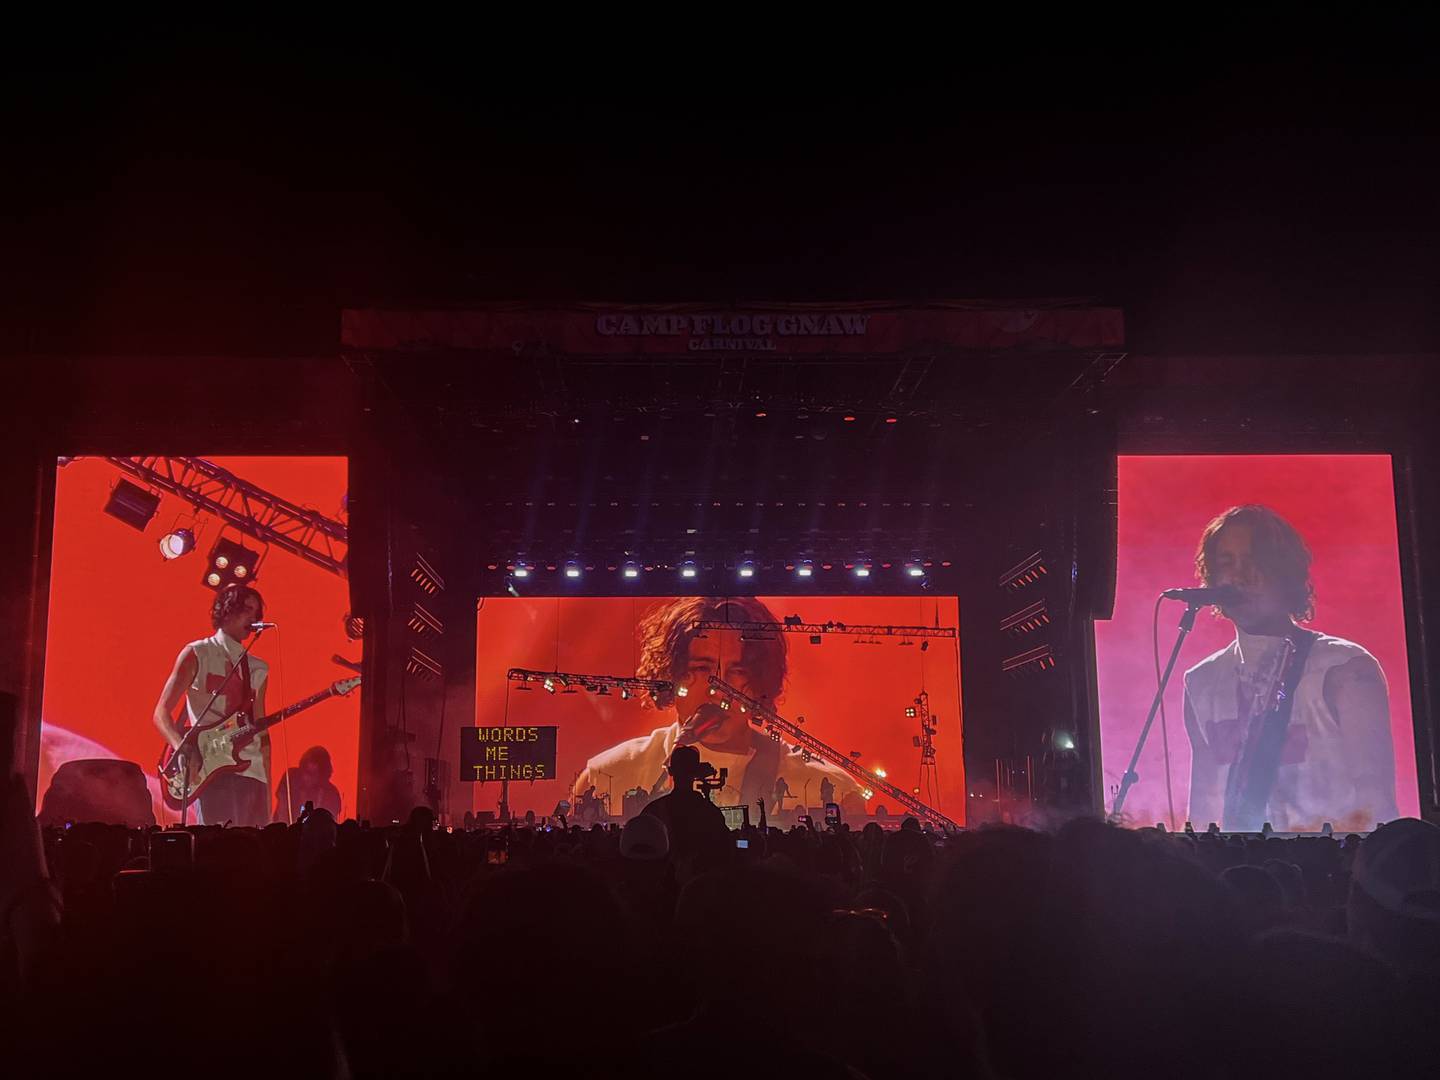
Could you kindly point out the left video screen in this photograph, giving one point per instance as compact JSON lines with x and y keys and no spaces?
{"x":199,"y":605}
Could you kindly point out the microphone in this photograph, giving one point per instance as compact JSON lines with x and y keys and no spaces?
{"x":1218,"y":594}
{"x":262,"y":626}
{"x":701,"y":721}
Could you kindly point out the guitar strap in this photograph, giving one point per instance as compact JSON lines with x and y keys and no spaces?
{"x":247,"y":698}
{"x":1252,"y":777}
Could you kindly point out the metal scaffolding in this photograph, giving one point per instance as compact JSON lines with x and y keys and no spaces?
{"x":787,"y":731}
{"x":793,"y":626}
{"x":253,"y":511}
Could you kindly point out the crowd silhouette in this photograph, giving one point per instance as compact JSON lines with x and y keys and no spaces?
{"x":322,"y":949}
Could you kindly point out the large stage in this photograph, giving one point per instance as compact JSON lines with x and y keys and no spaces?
{"x":901,"y":560}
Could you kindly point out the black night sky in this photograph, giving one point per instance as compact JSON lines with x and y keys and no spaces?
{"x":1239,"y":189}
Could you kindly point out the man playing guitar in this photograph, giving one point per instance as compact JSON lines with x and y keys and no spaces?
{"x":214,"y":668}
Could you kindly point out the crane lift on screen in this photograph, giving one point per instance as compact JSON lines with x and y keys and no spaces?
{"x":777,"y":726}
{"x":788,"y":731}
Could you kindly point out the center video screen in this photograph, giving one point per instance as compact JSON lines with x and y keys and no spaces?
{"x":1290,"y":700}
{"x":861,"y":694}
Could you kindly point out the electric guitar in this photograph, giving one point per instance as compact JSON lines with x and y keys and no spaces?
{"x":211,"y":750}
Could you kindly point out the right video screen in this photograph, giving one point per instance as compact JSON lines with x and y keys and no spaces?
{"x":1290,"y":701}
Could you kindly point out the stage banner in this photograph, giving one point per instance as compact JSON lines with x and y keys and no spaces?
{"x":507,"y":752}
{"x":696,"y":331}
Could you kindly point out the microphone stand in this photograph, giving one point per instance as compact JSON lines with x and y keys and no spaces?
{"x":1127,"y":781}
{"x":180,"y":752}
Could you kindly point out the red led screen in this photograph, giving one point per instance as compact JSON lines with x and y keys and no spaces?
{"x":853,"y":691}
{"x":1346,"y":749}
{"x":120,"y":614}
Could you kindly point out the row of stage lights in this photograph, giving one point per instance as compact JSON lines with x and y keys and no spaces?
{"x":745,"y":571}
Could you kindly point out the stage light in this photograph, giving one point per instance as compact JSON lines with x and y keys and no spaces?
{"x":725,"y":704}
{"x":1064,"y":740}
{"x":849,"y":419}
{"x":881,"y":773}
{"x":682,"y":691}
{"x":549,"y":685}
{"x":624,"y":693}
{"x":132,"y":504}
{"x":867,"y":794}
{"x":229,"y":564}
{"x":571,"y":570}
{"x":910,"y":712}
{"x":862,"y":571}
{"x":915,"y":571}
{"x":892,"y":420}
{"x":631,"y":570}
{"x":747,"y":570}
{"x":804,"y":570}
{"x":522,"y":572}
{"x":177,"y":543}
{"x":687,"y":570}
{"x":760,"y":414}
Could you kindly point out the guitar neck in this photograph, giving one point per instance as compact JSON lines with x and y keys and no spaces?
{"x":290,"y":710}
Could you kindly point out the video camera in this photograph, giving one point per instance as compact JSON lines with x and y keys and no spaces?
{"x":708,"y":779}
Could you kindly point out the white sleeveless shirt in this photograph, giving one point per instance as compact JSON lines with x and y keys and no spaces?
{"x":1332,"y":768}
{"x":215,"y":657}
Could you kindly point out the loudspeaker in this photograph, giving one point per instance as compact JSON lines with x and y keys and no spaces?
{"x":369,"y":535}
{"x":1096,"y":518}
{"x":97,"y":789}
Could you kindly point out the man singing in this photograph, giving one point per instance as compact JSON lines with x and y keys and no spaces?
{"x":670,"y":649}
{"x":1286,"y":725}
{"x":213,"y":666}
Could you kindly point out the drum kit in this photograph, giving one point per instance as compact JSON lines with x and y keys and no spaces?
{"x":592,"y":808}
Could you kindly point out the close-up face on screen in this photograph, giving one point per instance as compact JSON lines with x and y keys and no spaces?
{"x":152,"y":603}
{"x":1290,"y":700}
{"x":853,"y":692}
